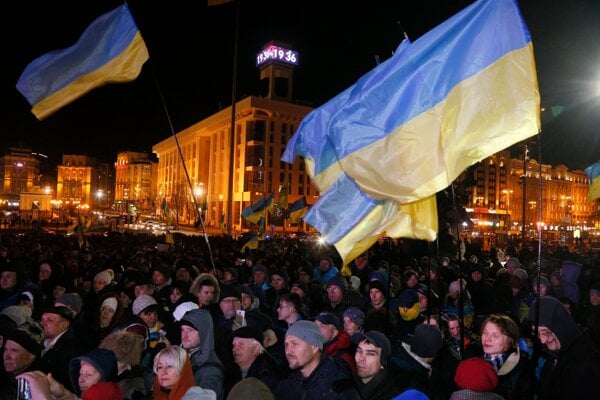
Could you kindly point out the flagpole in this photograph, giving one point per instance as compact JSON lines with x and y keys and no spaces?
{"x":232,"y":136}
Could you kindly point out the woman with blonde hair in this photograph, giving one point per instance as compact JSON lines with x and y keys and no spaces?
{"x":173,"y":375}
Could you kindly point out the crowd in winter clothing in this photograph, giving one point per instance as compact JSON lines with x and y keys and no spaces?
{"x":128,"y":317}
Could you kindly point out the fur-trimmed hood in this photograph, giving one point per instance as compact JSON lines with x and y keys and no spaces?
{"x":127,"y":346}
{"x":195,"y":288}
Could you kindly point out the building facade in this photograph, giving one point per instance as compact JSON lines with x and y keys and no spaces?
{"x":19,"y":171}
{"x":135,"y":182}
{"x":74,"y":181}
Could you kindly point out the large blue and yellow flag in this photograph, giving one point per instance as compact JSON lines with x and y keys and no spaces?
{"x":110,"y":50}
{"x":256,"y":211}
{"x":297,"y":210}
{"x":409,"y":127}
{"x":593,"y":172}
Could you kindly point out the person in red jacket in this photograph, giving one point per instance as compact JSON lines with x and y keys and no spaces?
{"x":336,"y":341}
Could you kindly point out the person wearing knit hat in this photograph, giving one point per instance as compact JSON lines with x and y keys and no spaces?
{"x":279,"y":286}
{"x":417,"y":351}
{"x":576,"y":360}
{"x":353,"y":320}
{"x":313,"y":376}
{"x":183,"y":308}
{"x":512,"y":264}
{"x":336,"y":341}
{"x":476,"y":378}
{"x":161,"y":277}
{"x":101,"y":280}
{"x":325,"y":270}
{"x":372,"y":378}
{"x":250,"y":388}
{"x":22,"y":350}
{"x":71,"y":300}
{"x":18,"y":314}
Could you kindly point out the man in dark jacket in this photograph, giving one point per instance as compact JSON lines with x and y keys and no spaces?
{"x":315,"y":376}
{"x":372,"y":378}
{"x":573,"y":369}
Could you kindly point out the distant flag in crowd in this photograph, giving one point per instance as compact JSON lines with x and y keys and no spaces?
{"x":111,"y":50}
{"x":297,"y":210}
{"x":380,"y":150}
{"x":251,"y":244}
{"x":256,"y":211}
{"x":284,"y":190}
{"x":593,"y":172}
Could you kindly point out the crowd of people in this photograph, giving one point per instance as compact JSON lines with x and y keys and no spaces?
{"x":127,"y":317}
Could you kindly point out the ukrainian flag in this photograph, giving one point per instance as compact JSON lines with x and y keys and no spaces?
{"x":110,"y":50}
{"x":409,"y":127}
{"x":297,"y":210}
{"x":256,"y":211}
{"x":593,"y":172}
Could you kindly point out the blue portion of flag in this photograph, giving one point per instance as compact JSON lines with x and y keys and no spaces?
{"x":254,"y":212}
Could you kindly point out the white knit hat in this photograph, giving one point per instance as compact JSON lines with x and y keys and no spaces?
{"x":141,"y":302}
{"x":183,"y":308}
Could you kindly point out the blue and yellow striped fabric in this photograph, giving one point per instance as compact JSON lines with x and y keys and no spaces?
{"x":409,"y":127}
{"x":593,"y":172}
{"x":110,"y":50}
{"x":256,"y":211}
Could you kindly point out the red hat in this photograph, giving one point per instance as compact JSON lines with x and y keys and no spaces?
{"x":476,"y":374}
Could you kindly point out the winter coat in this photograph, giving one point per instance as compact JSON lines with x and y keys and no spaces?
{"x":341,"y":348}
{"x":103,"y":360}
{"x":384,"y":385}
{"x":329,"y":381}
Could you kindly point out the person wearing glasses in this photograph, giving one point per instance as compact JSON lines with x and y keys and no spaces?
{"x":572,"y":366}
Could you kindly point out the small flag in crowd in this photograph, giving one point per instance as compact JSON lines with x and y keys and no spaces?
{"x":111,"y":50}
{"x":256,"y":211}
{"x":408,"y":128}
{"x":593,"y":172}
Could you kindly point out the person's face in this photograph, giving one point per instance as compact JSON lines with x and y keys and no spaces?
{"x":594,"y":298}
{"x":368,"y":360}
{"x":8,"y":280}
{"x":423,"y":302}
{"x":277,"y":282}
{"x":377,"y":298}
{"x":88,"y":375}
{"x":350,"y":326}
{"x":45,"y":271}
{"x":246,"y":302}
{"x":493,"y":340}
{"x":106,"y":316}
{"x":16,"y":358}
{"x":432,"y":275}
{"x":190,"y":337}
{"x":299,"y":353}
{"x":143,"y":289}
{"x":476,"y":276}
{"x":329,"y":332}
{"x":182,"y":275}
{"x":361,"y":262}
{"x":99,"y":285}
{"x":229,"y":306}
{"x":335,"y":294}
{"x":150,"y":318}
{"x":304,"y":277}
{"x":412,"y":281}
{"x":58,"y":291}
{"x":548,"y":338}
{"x":298,"y":291}
{"x":175,"y":295}
{"x":259,"y":277}
{"x":53,"y":325}
{"x":324,"y":265}
{"x":284,"y":310}
{"x":166,"y":373}
{"x":454,"y":329}
{"x":206,"y":295}
{"x":244,"y":351}
{"x":158,"y":278}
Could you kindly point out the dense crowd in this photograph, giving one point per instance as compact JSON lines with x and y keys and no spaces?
{"x":129,"y":317}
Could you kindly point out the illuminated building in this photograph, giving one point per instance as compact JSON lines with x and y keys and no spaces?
{"x":19,"y":171}
{"x":496,"y":201}
{"x":135,"y":181}
{"x":74,"y":180}
{"x":263,"y":126}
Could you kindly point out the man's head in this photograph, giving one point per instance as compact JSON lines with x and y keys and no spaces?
{"x":372,"y":353}
{"x":595,"y":294}
{"x":361,"y":261}
{"x":453,"y":326}
{"x":197,"y":330}
{"x":426,"y":341}
{"x":161,"y":274}
{"x":8,"y":279}
{"x":279,"y":279}
{"x":329,"y":324}
{"x":20,"y":350}
{"x":325,"y":263}
{"x":353,"y":320}
{"x":55,"y":320}
{"x":377,"y":293}
{"x":231,"y":300}
{"x":336,"y":288}
{"x":259,"y":274}
{"x":246,"y":346}
{"x":206,"y":292}
{"x":557,"y":329}
{"x":289,"y":307}
{"x":303,"y":345}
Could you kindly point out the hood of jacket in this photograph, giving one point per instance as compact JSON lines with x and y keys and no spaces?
{"x":201,"y":320}
{"x":195,"y":288}
{"x":569,"y":272}
{"x":103,"y":360}
{"x":554,"y":316}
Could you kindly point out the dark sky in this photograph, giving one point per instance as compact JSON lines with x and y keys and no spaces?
{"x":191,"y":49}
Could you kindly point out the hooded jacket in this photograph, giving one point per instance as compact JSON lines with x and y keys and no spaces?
{"x":103,"y":360}
{"x":206,"y":365}
{"x":574,"y":373}
{"x":569,"y":273}
{"x":195,"y":288}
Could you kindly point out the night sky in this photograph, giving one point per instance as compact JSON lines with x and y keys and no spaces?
{"x":190,"y":67}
